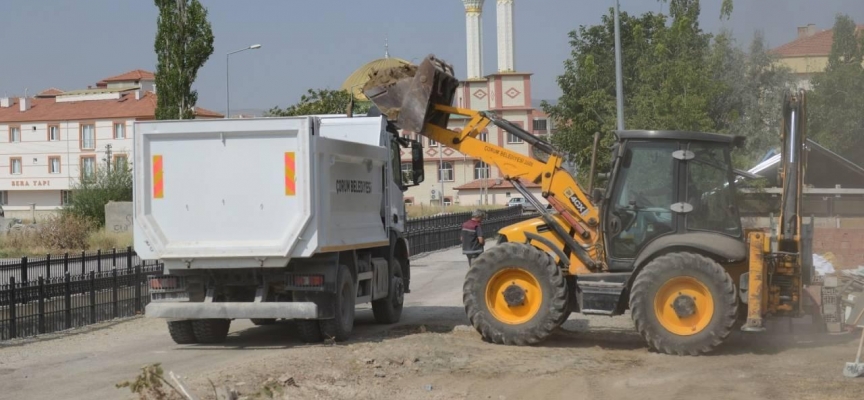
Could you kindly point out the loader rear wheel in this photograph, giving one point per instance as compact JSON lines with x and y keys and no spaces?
{"x":342,"y":324}
{"x":181,"y":332}
{"x":515,"y":294}
{"x":683,"y":303}
{"x":389,"y":309}
{"x":211,"y":330}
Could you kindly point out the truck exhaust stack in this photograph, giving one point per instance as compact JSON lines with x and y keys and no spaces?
{"x":407,"y":95}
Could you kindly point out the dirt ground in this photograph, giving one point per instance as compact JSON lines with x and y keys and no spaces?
{"x":605,"y":362}
{"x":433,"y":354}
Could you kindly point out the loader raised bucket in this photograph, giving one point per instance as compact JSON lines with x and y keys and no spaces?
{"x":407,"y":94}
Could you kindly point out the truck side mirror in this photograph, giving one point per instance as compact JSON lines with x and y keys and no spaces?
{"x":417,"y":161}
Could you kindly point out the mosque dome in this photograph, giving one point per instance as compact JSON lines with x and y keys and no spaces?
{"x":356,"y":80}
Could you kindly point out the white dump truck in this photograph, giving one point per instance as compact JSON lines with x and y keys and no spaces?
{"x":296,"y":218}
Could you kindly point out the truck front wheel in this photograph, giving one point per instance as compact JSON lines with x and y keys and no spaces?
{"x":389,"y":309}
{"x":342,"y":323}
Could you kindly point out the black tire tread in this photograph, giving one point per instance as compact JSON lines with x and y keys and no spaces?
{"x":308,"y":331}
{"x":642,"y":303}
{"x":181,"y":332}
{"x":333,"y":328}
{"x":383,"y":309}
{"x":475,"y":306}
{"x":211,"y":330}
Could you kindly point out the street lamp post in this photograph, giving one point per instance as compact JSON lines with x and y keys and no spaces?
{"x":619,"y":80}
{"x":228,"y":80}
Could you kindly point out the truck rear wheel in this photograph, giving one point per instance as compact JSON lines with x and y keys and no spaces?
{"x":342,"y":324}
{"x":181,"y":332}
{"x":211,"y":330}
{"x":683,"y":303}
{"x":515,"y":294}
{"x":308,"y":330}
{"x":389,"y":309}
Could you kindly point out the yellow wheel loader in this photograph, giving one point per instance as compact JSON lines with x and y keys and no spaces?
{"x":664,"y":239}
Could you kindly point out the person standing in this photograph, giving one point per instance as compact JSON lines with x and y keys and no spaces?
{"x":472,"y":236}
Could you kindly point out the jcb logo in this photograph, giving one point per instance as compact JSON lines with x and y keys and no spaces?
{"x":580,"y":206}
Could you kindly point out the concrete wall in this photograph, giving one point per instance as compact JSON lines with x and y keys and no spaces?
{"x":118,"y":217}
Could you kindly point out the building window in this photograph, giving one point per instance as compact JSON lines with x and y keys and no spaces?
{"x":409,"y":201}
{"x":513,"y":139}
{"x":448,"y":200}
{"x":539,"y":124}
{"x":4,"y":197}
{"x":54,"y":164}
{"x":15,"y":166}
{"x":120,"y":131}
{"x":481,"y":170}
{"x":432,"y":143}
{"x":121,"y":161}
{"x":407,"y":173}
{"x":65,"y":197}
{"x":88,"y":167}
{"x":14,"y":134}
{"x":484,"y":136}
{"x":445,"y":171}
{"x":53,"y":133}
{"x":88,"y":137}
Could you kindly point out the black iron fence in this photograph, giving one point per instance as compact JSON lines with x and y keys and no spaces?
{"x":40,"y":295}
{"x":439,"y":232}
{"x":45,"y":295}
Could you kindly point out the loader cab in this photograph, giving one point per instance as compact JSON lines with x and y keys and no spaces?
{"x":670,"y":189}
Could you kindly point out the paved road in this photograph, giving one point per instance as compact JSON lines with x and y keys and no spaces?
{"x":85,"y":364}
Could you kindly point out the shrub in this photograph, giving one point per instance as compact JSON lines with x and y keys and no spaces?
{"x":90,"y":195}
{"x":64,"y":232}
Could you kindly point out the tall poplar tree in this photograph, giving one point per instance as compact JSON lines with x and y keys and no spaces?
{"x":184,"y":42}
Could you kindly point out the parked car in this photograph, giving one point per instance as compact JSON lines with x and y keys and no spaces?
{"x":519,"y":201}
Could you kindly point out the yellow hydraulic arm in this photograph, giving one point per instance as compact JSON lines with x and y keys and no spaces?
{"x":580,"y":229}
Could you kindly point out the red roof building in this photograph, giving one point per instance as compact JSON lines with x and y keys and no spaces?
{"x":808,"y":53}
{"x":47,"y":142}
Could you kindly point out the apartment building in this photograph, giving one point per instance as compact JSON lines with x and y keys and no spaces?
{"x":807,"y":55}
{"x":49,"y":141}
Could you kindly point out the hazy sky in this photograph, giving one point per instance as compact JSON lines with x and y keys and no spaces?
{"x":318,"y":43}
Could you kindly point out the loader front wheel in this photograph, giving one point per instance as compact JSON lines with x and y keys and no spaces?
{"x":515,"y":294}
{"x":683,"y":303}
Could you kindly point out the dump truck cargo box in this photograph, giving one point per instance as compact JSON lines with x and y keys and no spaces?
{"x":255,"y":192}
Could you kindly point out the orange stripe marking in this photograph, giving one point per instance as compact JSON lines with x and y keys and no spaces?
{"x":290,"y":186}
{"x":158,"y":184}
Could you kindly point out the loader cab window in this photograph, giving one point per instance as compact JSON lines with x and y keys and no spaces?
{"x":710,"y":191}
{"x":642,"y":195}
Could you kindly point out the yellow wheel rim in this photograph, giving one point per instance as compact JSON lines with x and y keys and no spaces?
{"x":513,"y":296}
{"x":684,"y":305}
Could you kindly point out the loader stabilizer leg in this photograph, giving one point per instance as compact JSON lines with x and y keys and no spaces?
{"x":756,"y":284}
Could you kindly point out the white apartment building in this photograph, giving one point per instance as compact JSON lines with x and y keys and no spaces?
{"x":49,"y":141}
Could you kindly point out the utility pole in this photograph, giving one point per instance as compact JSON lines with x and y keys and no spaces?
{"x":108,"y":156}
{"x":619,"y":84}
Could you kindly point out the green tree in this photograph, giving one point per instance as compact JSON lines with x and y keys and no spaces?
{"x":588,"y":82}
{"x":184,"y":42}
{"x":836,"y":104}
{"x":91,"y":193}
{"x":322,"y":101}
